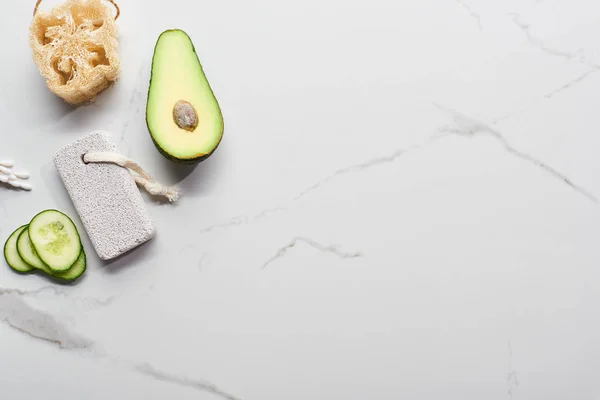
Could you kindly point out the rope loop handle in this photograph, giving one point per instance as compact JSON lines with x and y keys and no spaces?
{"x":37,"y":5}
{"x":142,"y":178}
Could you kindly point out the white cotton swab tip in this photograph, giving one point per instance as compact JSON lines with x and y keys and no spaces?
{"x":13,"y":179}
{"x":22,"y":185}
{"x":22,"y":175}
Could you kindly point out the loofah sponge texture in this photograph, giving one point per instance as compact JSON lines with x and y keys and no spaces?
{"x":105,"y":196}
{"x":75,"y":47}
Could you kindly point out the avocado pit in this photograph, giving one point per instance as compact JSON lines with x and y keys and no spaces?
{"x":185,"y":116}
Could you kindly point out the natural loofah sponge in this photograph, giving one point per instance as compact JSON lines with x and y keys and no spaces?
{"x":75,"y":47}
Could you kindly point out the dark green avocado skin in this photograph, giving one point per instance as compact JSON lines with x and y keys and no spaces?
{"x":186,"y":161}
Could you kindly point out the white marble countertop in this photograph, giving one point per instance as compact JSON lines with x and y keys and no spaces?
{"x":404,"y":206}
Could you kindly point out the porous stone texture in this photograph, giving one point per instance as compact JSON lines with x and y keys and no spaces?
{"x":105,"y":196}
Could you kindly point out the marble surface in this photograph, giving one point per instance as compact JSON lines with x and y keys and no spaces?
{"x":404,"y":206}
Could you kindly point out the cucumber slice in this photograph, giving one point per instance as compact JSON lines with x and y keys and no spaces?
{"x":55,"y":239}
{"x":11,"y":254}
{"x":28,"y":253}
{"x":75,"y":271}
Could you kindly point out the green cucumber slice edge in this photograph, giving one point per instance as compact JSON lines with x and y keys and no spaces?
{"x":11,"y":254}
{"x":55,"y":239}
{"x":27,"y":251}
{"x":75,"y":271}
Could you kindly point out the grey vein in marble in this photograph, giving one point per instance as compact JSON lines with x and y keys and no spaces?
{"x":540,"y":44}
{"x":122,"y":138}
{"x":371,"y":163}
{"x":197,"y":384}
{"x":235,"y":221}
{"x":323,"y":248}
{"x":466,"y":126}
{"x":549,"y":95}
{"x":534,"y":41}
{"x":472,"y":13}
{"x":567,"y":85}
{"x":136,"y":95}
{"x":511,"y":378}
{"x":58,"y":292}
{"x":201,"y":260}
{"x":26,"y":292}
{"x":16,"y":313}
{"x":363,"y":166}
{"x":242,"y":219}
{"x":19,"y":315}
{"x":350,"y":169}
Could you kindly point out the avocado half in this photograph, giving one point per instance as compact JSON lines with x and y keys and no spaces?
{"x":182,"y":113}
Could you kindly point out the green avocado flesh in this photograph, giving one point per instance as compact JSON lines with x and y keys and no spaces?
{"x":188,"y":133}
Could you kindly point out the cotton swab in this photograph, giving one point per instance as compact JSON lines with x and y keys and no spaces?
{"x":13,"y":178}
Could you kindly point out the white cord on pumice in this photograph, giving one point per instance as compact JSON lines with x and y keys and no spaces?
{"x":14,"y":179}
{"x":142,"y":178}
